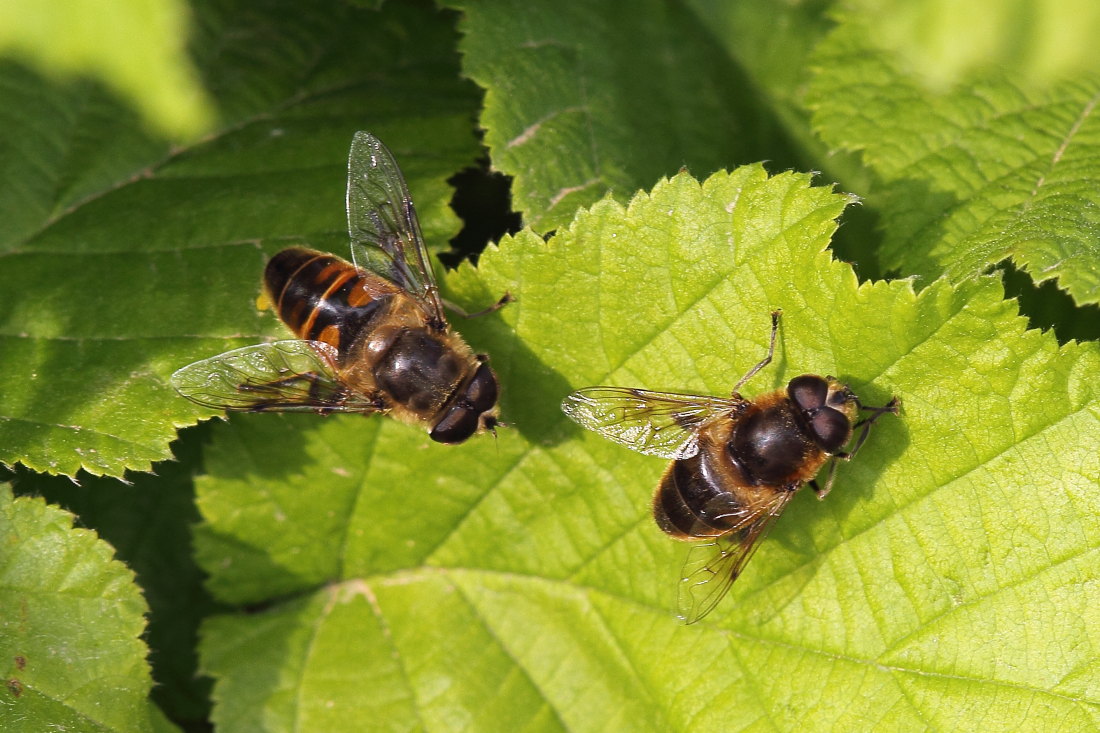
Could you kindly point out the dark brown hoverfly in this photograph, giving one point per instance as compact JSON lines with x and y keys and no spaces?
{"x":736,"y":462}
{"x":373,"y":336}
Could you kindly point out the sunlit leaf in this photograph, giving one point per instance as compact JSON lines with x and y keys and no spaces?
{"x":943,"y":42}
{"x":147,"y":520}
{"x":71,"y":619}
{"x":136,"y":47}
{"x":519,"y":583}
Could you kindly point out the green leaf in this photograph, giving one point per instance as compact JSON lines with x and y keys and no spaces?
{"x":136,"y":47}
{"x":582,"y":99}
{"x":1036,"y":41}
{"x":991,"y":171}
{"x":147,"y":520}
{"x":520,"y":583}
{"x":949,"y":581}
{"x":123,"y":260}
{"x":71,"y":619}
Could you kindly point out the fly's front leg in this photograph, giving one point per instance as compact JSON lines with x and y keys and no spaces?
{"x":504,"y":300}
{"x":767,"y":359}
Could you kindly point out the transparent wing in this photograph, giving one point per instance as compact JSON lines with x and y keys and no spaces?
{"x":281,"y":376}
{"x":655,"y":423}
{"x":711,"y":567}
{"x":385,"y":232}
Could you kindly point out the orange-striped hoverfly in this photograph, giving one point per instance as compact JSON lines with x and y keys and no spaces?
{"x":372,"y":336}
{"x":736,"y":462}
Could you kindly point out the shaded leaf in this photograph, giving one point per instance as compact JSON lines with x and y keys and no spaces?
{"x":118,"y":276}
{"x":584,"y":99}
{"x":520,"y":583}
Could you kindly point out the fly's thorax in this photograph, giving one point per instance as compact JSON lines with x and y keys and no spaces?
{"x":399,"y":313}
{"x":771,"y":445}
{"x":396,"y":345}
{"x":432,"y":378}
{"x":784,"y":438}
{"x":421,"y":370}
{"x":421,"y":374}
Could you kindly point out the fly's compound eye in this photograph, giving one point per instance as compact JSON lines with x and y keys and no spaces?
{"x":831,"y":429}
{"x":809,"y":392}
{"x":481,"y":392}
{"x":456,"y":426}
{"x":465,"y":416}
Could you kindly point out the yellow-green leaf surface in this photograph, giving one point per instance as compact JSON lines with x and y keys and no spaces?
{"x":136,"y":47}
{"x":1036,"y":40}
{"x":993,"y":169}
{"x":148,"y":520}
{"x":71,"y":618}
{"x":949,"y":581}
{"x":122,"y":260}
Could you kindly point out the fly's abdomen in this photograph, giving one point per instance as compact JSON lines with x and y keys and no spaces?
{"x":693,"y":499}
{"x":322,"y":297}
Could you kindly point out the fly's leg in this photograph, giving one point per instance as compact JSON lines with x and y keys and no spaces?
{"x":767,"y":359}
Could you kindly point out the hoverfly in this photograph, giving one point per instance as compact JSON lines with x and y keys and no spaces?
{"x":736,"y":462}
{"x":372,"y":335}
